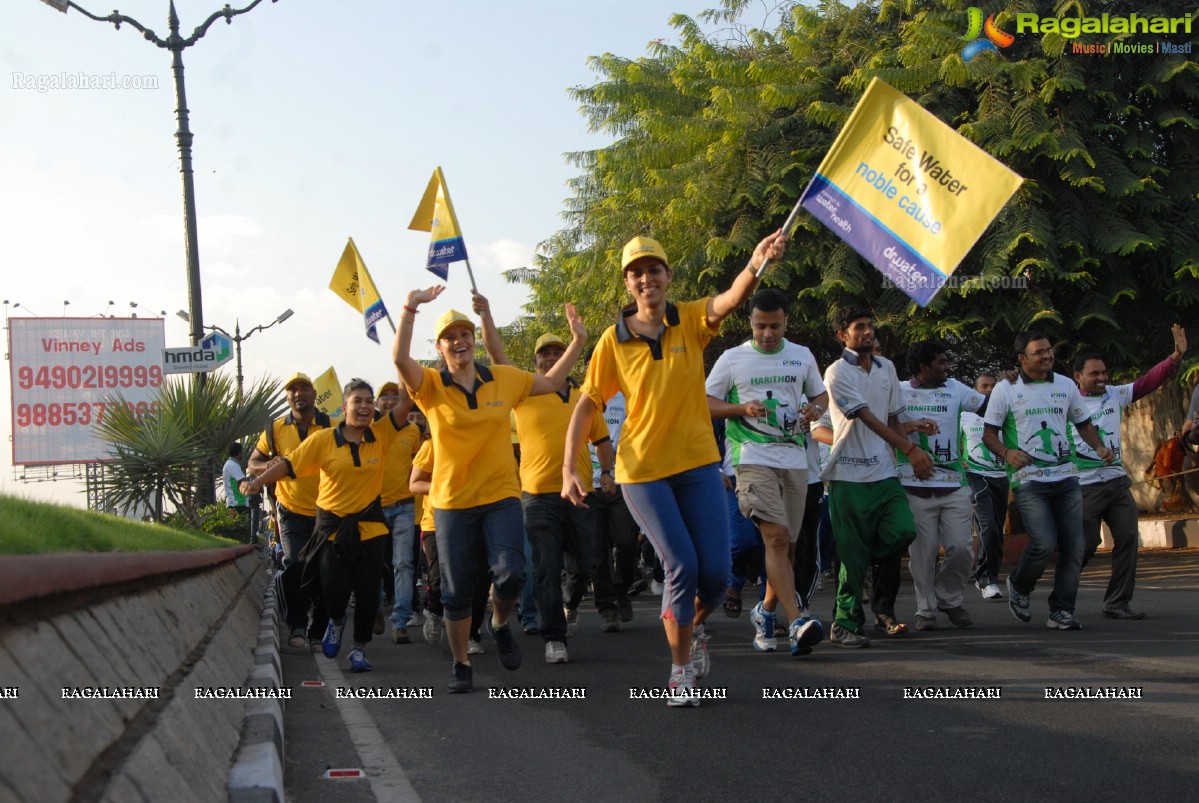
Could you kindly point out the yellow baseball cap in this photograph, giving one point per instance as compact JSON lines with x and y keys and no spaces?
{"x":548,"y":340}
{"x":639,"y":247}
{"x":389,"y":389}
{"x":451,"y":317}
{"x":296,"y":379}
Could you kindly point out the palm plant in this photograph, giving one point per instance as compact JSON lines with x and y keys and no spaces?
{"x":162,"y":455}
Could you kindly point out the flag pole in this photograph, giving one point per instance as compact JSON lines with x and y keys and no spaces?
{"x":471,"y":274}
{"x":788,"y":225}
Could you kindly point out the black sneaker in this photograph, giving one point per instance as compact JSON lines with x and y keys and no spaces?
{"x":625,"y":606}
{"x":461,"y":678}
{"x":508,"y":649}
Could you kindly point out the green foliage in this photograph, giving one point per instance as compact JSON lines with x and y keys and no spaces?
{"x":717,"y":136}
{"x":29,"y":528}
{"x":161,"y":457}
{"x":217,"y":519}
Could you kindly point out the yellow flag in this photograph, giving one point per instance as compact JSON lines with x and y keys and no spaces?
{"x":906,"y":191}
{"x":436,"y":215}
{"x":328,"y":394}
{"x":353,"y":284}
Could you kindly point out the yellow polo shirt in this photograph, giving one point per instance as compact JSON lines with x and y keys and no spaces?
{"x":424,"y":461}
{"x":351,"y":474}
{"x":398,"y":466}
{"x":297,"y":495}
{"x":541,"y":423}
{"x":475,"y":465}
{"x":667,"y":429}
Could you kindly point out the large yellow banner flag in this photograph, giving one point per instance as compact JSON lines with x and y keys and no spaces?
{"x":328,"y":394}
{"x":906,"y":191}
{"x":436,"y":215}
{"x":353,"y":284}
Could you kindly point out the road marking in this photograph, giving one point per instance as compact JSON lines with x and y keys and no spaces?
{"x":387,"y":778}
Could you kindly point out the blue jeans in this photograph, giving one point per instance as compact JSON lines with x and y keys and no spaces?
{"x":1052,"y":513}
{"x":686,"y":518}
{"x":500,"y":528}
{"x":555,"y":526}
{"x":401,"y":517}
{"x":745,"y":544}
{"x":528,"y":599}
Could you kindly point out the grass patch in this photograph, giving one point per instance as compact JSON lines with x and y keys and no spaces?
{"x":31,"y":528}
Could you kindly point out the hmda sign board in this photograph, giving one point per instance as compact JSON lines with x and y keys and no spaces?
{"x":214,"y":350}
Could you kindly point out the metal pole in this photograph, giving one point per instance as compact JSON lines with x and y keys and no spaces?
{"x":237,"y":338}
{"x":183,"y":136}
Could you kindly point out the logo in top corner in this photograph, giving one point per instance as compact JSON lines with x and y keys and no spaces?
{"x":994,"y":37}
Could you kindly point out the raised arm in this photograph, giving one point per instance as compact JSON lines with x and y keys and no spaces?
{"x":719,"y":307}
{"x":554,"y":377}
{"x":399,"y":413}
{"x":401,"y":351}
{"x":491,"y":335}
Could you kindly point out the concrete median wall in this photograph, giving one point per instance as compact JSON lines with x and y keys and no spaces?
{"x":100,"y":659}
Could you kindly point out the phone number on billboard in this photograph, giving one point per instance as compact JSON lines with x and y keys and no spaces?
{"x":70,"y":413}
{"x":89,"y":376}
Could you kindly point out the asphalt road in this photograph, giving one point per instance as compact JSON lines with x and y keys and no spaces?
{"x":877,"y":746}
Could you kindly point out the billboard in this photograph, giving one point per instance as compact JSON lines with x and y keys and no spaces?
{"x":63,"y":371}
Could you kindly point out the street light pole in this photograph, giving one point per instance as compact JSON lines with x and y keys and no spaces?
{"x":183,"y":136}
{"x":237,"y":337}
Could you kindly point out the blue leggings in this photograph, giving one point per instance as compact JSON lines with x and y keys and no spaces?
{"x":686,"y":519}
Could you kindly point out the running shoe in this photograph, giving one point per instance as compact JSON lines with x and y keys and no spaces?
{"x":358,"y":662}
{"x":843,"y":637}
{"x":611,"y":623}
{"x":400,"y":636}
{"x":990,"y":591}
{"x":555,"y":653}
{"x":432,"y":629}
{"x":474,"y":647}
{"x":297,"y":640}
{"x":682,"y":689}
{"x":805,"y":633}
{"x":763,"y":622}
{"x":509,"y":650}
{"x":331,"y":643}
{"x":461,"y":678}
{"x":1123,"y":612}
{"x":1063,"y":620}
{"x":1017,"y":602}
{"x":959,"y":616}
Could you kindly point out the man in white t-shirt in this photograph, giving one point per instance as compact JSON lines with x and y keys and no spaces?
{"x":1105,"y":486}
{"x":1026,"y":425}
{"x":233,"y":474}
{"x":940,"y":505}
{"x":868,"y":507}
{"x":760,"y":387}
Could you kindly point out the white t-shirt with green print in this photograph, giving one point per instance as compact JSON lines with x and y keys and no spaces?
{"x":781,"y":381}
{"x":1035,"y":417}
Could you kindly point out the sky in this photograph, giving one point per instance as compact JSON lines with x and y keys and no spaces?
{"x":313,"y":122}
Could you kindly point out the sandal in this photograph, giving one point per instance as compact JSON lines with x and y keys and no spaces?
{"x":889,"y":626}
{"x":732,"y":605}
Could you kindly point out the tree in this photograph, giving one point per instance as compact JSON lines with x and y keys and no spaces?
{"x":158,"y":456}
{"x":717,"y":136}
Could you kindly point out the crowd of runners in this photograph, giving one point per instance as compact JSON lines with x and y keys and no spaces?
{"x":482,"y":497}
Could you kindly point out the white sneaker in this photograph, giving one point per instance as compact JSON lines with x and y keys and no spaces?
{"x":656,"y":588}
{"x":474,"y":648}
{"x":432,"y":628}
{"x":991,"y":591}
{"x":682,"y":689}
{"x":555,"y":653}
{"x":763,"y":622}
